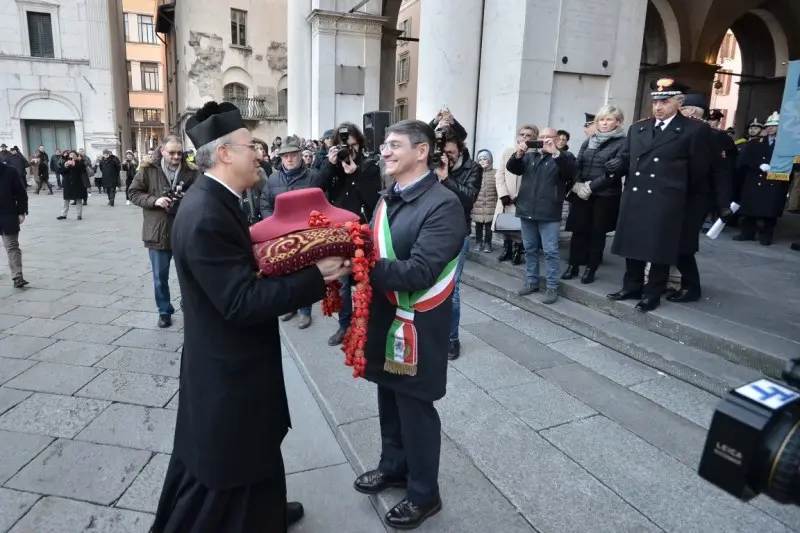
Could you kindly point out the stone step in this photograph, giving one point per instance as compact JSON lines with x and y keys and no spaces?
{"x":708,"y":370}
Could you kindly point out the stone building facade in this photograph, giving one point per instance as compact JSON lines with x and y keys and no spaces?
{"x":226,"y":51}
{"x":58,"y":82}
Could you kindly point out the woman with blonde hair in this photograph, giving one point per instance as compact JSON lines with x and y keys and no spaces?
{"x":595,"y":193}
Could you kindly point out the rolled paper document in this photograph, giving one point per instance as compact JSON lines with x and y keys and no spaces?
{"x":719,"y":225}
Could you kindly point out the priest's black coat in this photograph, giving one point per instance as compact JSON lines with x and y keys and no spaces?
{"x":428,"y":230}
{"x":232,"y":412}
{"x":664,"y":171}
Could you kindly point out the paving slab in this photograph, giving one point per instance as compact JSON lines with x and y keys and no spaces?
{"x":91,"y":276}
{"x":131,"y":387}
{"x":149,"y":339}
{"x":11,"y":397}
{"x":90,"y":299}
{"x":470,"y":315}
{"x":89,"y":287}
{"x":17,"y":450}
{"x":9,"y":321}
{"x":10,"y":368}
{"x":156,"y":362}
{"x":679,"y":397}
{"x":666,"y":430}
{"x":134,"y":304}
{"x":56,"y":378}
{"x":91,"y":315}
{"x":669,"y":493}
{"x":511,"y":454}
{"x":523,"y":349}
{"x":53,"y":415}
{"x":471,"y":503}
{"x":59,"y":515}
{"x":146,"y":320}
{"x":34,"y":309}
{"x":132,"y":426}
{"x":337,"y":507}
{"x":21,"y":346}
{"x":606,"y":362}
{"x":13,"y":506}
{"x":145,"y":490}
{"x":136,"y":288}
{"x":81,"y":470}
{"x":541,"y":405}
{"x":310,"y":443}
{"x":173,"y":403}
{"x":94,"y":333}
{"x":73,"y":352}
{"x":38,"y":282}
{"x":39,"y":295}
{"x":487,"y":367}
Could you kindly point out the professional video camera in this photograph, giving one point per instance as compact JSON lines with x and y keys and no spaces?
{"x":753,"y":444}
{"x":438,"y":148}
{"x":176,"y":195}
{"x":343,"y":150}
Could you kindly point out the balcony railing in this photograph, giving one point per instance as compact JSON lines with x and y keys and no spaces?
{"x":253,"y":108}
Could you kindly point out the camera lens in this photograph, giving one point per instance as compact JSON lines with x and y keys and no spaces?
{"x":779,"y":475}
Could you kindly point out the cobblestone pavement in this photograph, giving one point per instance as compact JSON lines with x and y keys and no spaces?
{"x":88,"y":389}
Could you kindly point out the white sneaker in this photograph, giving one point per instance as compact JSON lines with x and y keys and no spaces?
{"x":89,"y":194}
{"x":128,"y":202}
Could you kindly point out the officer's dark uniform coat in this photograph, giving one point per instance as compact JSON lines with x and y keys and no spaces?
{"x":663,"y":170}
{"x":760,"y":198}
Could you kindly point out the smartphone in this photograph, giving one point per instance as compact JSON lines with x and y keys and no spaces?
{"x":535,"y":144}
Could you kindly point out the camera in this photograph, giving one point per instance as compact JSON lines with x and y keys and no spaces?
{"x":438,"y":148}
{"x":176,"y":195}
{"x":536,"y":145}
{"x":343,"y":150}
{"x":753,"y":444}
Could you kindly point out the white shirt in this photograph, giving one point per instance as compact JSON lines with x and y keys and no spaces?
{"x":236,"y":194}
{"x":665,"y":122}
{"x":401,"y":188}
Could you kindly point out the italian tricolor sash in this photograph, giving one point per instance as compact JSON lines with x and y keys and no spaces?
{"x":401,"y":342}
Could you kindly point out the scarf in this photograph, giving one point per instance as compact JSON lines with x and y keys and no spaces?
{"x":401,"y":341}
{"x":172,"y":175}
{"x":599,"y":137}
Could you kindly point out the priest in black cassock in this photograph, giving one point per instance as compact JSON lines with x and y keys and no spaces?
{"x":226,"y":473}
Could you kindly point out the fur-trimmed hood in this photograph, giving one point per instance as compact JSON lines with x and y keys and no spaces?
{"x":148,"y":161}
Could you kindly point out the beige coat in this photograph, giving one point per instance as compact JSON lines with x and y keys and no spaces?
{"x":507,"y":184}
{"x":483,"y":209}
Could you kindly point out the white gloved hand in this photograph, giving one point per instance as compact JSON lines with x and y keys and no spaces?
{"x":585,"y":191}
{"x":576,"y":187}
{"x":764,"y":167}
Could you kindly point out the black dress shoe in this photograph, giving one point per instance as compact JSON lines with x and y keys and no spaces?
{"x":795,"y":246}
{"x":648,"y":304}
{"x":406,"y":515}
{"x":375,"y":481}
{"x":164,"y":321}
{"x":516,"y":257}
{"x":294,"y":512}
{"x":765,"y":239}
{"x":625,"y":295}
{"x":571,"y":272}
{"x":684,"y":296}
{"x":588,"y":276}
{"x":454,"y":350}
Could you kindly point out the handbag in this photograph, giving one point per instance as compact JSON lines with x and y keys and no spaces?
{"x":505,"y":222}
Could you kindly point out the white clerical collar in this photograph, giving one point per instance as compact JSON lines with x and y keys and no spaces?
{"x":236,"y":194}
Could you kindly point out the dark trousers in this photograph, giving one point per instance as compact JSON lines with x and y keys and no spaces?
{"x":634,"y":278}
{"x":44,"y":182}
{"x":587,"y":249}
{"x":112,"y":193}
{"x":411,"y":442}
{"x":690,"y":275}
{"x":764,"y":225}
{"x":346,"y":312}
{"x":128,"y":182}
{"x":483,"y":232}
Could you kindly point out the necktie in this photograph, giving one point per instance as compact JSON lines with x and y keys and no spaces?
{"x":659,"y":127}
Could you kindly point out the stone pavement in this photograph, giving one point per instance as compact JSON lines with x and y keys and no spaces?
{"x":88,"y":389}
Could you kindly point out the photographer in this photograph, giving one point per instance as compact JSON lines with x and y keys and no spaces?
{"x":355,"y":186}
{"x":153,"y":189}
{"x":545,"y":172}
{"x":463,"y":176}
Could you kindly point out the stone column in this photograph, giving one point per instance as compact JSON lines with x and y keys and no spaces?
{"x":299,"y":101}
{"x":449,"y":60}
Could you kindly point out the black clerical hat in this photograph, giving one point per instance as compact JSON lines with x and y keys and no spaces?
{"x":664,"y":88}
{"x":589,"y":119}
{"x":212,"y":121}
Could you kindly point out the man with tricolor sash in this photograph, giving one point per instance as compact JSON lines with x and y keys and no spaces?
{"x":419,"y":230}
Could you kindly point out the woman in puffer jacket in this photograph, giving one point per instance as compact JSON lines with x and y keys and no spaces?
{"x":595,"y":193}
{"x":483,"y":209}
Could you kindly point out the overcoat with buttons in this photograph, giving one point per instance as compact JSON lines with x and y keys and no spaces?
{"x":761,"y":198}
{"x":664,"y":171}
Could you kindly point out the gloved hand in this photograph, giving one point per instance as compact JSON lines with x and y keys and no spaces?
{"x":505,"y":200}
{"x":614,"y":165}
{"x":584,"y":192}
{"x":576,"y":187}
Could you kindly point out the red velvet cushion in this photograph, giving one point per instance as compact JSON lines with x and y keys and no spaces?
{"x":302,"y":249}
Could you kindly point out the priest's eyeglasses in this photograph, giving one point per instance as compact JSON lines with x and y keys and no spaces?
{"x":251,"y":146}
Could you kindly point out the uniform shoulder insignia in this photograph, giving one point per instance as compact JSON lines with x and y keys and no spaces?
{"x":643,"y":120}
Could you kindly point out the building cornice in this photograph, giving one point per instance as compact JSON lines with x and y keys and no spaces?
{"x":323,"y":21}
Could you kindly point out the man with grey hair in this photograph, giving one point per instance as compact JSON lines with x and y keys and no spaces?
{"x":155,"y":188}
{"x":668,"y":156}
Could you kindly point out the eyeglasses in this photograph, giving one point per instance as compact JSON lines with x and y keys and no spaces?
{"x":395,"y":145}
{"x":251,"y":146}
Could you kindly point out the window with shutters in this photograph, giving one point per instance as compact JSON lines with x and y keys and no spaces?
{"x":403,"y":69}
{"x":401,"y":109}
{"x":125,"y":26}
{"x":150,"y":77}
{"x":130,"y":76}
{"x":147,"y":32}
{"x":40,"y":33}
{"x":405,"y":29}
{"x":233,"y":92}
{"x":238,"y":27}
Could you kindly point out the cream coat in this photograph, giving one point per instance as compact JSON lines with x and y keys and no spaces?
{"x":507,"y":184}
